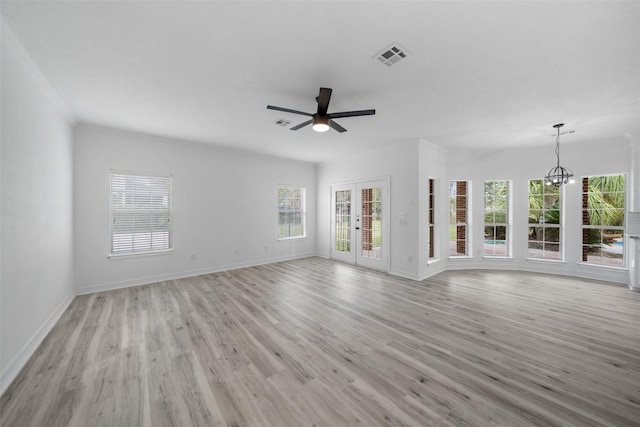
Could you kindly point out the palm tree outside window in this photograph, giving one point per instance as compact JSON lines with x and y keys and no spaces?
{"x":603,"y":208}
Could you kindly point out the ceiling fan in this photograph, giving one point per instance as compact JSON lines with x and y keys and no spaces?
{"x":322,"y":120}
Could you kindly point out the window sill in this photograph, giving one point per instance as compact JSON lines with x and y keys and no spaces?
{"x":288,"y":239}
{"x":433,"y":261}
{"x":544,"y":261}
{"x":114,"y":257}
{"x":605,"y":266}
{"x":461,"y":258}
{"x":500,"y":257}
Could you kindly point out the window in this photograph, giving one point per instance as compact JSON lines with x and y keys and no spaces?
{"x":603,"y":205}
{"x":432,"y":234}
{"x":291,"y":212}
{"x":371,"y":234}
{"x":496,"y":218}
{"x":140,"y":213}
{"x":458,"y":218}
{"x":343,"y":221}
{"x":545,"y":213}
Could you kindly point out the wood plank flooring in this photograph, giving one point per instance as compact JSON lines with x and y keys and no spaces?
{"x":312,"y":342}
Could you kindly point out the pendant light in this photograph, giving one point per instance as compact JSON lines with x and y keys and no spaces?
{"x":558,"y":175}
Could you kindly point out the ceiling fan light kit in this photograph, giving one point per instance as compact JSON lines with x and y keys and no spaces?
{"x":320,"y":124}
{"x":321,"y":121}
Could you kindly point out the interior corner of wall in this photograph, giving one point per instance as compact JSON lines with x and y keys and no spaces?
{"x":13,"y":44}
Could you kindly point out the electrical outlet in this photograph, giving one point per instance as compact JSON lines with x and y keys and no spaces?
{"x":410,"y":259}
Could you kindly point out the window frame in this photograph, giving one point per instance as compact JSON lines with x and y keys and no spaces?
{"x":144,"y":212}
{"x":507,"y":224}
{"x":545,"y":226}
{"x":585,"y":227}
{"x":302,"y":211}
{"x":431,"y":220}
{"x":454,"y":218}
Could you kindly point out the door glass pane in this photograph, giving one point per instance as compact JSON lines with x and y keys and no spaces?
{"x":372,"y":223}
{"x":343,"y":221}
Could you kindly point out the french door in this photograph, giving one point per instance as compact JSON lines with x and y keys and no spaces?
{"x":360,"y":223}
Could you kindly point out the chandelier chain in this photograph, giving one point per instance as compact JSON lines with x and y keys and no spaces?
{"x":558,"y":147}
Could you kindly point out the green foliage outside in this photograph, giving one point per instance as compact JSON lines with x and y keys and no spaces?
{"x":605,"y":201}
{"x":452,"y":233}
{"x":496,"y":208}
{"x":342,"y":246}
{"x":290,"y":230}
{"x":605,"y":206}
{"x":544,"y":208}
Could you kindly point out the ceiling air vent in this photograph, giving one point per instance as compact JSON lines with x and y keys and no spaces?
{"x":282,"y":122}
{"x":392,"y":54}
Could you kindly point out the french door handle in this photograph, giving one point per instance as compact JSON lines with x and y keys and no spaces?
{"x":357,"y":228}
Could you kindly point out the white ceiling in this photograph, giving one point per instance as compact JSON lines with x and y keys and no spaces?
{"x":480,"y":74}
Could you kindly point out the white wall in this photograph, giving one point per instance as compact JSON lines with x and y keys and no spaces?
{"x":400,"y":163}
{"x":36,"y":282}
{"x":521,"y":165}
{"x":224,"y":207}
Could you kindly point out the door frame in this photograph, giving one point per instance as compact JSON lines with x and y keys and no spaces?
{"x":353,"y":258}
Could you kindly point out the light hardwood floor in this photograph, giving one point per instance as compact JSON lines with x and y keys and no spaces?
{"x":316,"y":343}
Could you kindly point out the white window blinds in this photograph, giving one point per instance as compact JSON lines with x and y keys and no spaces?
{"x":140,"y":213}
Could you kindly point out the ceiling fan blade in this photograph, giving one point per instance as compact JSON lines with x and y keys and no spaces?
{"x":323,"y":100}
{"x":336,"y":126}
{"x":301,"y":125}
{"x":352,"y":113}
{"x":288,"y":110}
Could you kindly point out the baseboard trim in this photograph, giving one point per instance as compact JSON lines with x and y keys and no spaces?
{"x":20,"y":360}
{"x":429,"y":274}
{"x":404,"y":274}
{"x":612,"y":275}
{"x":139,"y":281}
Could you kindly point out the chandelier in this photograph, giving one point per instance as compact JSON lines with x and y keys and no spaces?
{"x":558,"y":175}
